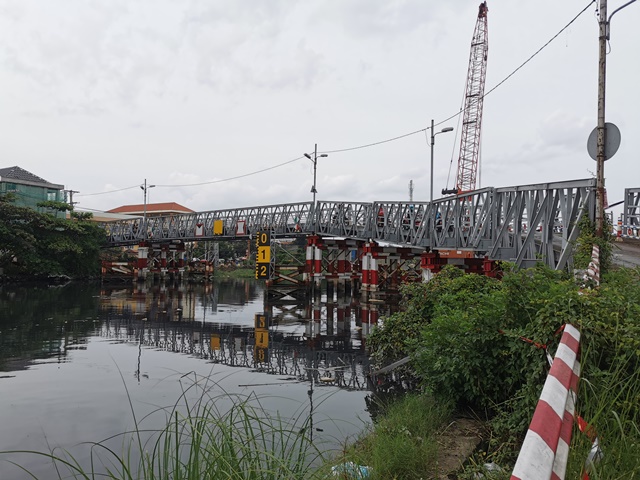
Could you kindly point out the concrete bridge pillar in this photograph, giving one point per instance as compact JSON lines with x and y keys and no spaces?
{"x":343,"y":277}
{"x":368,"y":318}
{"x":330,"y":318}
{"x":163,"y":261}
{"x":317,"y":266}
{"x":490,"y":268}
{"x":340,"y":325}
{"x":431,"y":263}
{"x":366,"y":275}
{"x":143,"y":253}
{"x":308,"y":266}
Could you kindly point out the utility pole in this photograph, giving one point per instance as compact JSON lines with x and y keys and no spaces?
{"x":313,"y":187}
{"x":144,"y":188}
{"x":71,"y":192}
{"x":604,"y":24}
{"x":600,"y":141}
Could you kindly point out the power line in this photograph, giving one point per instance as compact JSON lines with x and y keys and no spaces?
{"x":236,"y":177}
{"x":104,"y":193}
{"x":541,"y":48}
{"x":373,"y":144}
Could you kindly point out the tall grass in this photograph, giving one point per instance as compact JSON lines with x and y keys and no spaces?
{"x":402,"y":443}
{"x":212,"y":437}
{"x":609,"y":400}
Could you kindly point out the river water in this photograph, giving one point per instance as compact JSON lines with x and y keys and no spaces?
{"x":84,"y":363}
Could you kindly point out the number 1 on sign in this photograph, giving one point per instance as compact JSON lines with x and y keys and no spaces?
{"x":264,"y":254}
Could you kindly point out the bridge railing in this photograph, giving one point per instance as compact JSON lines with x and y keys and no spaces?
{"x":523,"y":224}
{"x":284,"y":219}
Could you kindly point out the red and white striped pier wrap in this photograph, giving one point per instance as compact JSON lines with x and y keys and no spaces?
{"x":593,"y":271}
{"x":545,"y":449}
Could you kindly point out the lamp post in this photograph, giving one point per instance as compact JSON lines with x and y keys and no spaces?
{"x":144,"y":188}
{"x":433,"y":141}
{"x":314,"y":159}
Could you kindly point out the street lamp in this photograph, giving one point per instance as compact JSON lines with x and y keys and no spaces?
{"x":314,"y":159}
{"x":433,"y":141}
{"x":144,"y":188}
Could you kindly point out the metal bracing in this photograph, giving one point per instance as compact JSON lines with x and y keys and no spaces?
{"x":344,"y":219}
{"x":631,"y":212}
{"x":283,"y":220}
{"x":523,"y":224}
{"x":540,"y":222}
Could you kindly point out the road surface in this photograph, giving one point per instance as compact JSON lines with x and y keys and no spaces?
{"x":626,"y":253}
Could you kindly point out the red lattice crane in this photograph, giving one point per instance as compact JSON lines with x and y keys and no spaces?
{"x":472,"y":116}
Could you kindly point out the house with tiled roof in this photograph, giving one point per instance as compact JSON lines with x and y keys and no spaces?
{"x":29,"y":189}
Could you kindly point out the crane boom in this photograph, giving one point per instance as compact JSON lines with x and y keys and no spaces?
{"x":472,"y":116}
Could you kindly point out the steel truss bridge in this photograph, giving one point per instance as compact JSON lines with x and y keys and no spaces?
{"x":523,"y":224}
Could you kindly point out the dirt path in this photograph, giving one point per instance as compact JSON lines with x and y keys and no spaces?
{"x":457,"y":443}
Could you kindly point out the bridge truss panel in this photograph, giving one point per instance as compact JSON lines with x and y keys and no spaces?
{"x":344,"y":219}
{"x":286,"y":219}
{"x":540,"y":222}
{"x":631,"y":212}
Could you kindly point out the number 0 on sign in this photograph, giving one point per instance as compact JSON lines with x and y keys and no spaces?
{"x":263,"y":239}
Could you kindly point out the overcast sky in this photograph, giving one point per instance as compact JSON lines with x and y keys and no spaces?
{"x":99,"y":95}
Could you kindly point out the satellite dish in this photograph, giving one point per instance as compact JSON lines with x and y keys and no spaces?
{"x":611,"y":141}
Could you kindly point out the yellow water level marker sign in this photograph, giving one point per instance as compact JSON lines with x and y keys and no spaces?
{"x":261,"y":333}
{"x":263,"y":255}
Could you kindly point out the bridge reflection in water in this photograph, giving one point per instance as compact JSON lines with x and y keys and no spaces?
{"x":306,"y":340}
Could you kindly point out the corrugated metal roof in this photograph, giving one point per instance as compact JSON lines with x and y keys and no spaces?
{"x":152,"y":208}
{"x":104,"y":216}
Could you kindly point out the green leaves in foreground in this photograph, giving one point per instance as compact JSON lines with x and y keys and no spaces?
{"x":480,"y":343}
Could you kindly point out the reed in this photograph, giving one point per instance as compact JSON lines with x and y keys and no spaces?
{"x":206,"y":436}
{"x":402,"y":443}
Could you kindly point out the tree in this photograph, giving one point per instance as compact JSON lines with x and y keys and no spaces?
{"x":39,"y":243}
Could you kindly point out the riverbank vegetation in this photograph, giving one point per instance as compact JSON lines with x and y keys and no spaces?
{"x":34,"y":244}
{"x":481,"y":343}
{"x":234,"y":272}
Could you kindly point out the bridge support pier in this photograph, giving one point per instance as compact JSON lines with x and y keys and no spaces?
{"x":143,"y":253}
{"x":432,"y":263}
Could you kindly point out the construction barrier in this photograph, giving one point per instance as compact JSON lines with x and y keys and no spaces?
{"x":545,"y":449}
{"x":629,"y":231}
